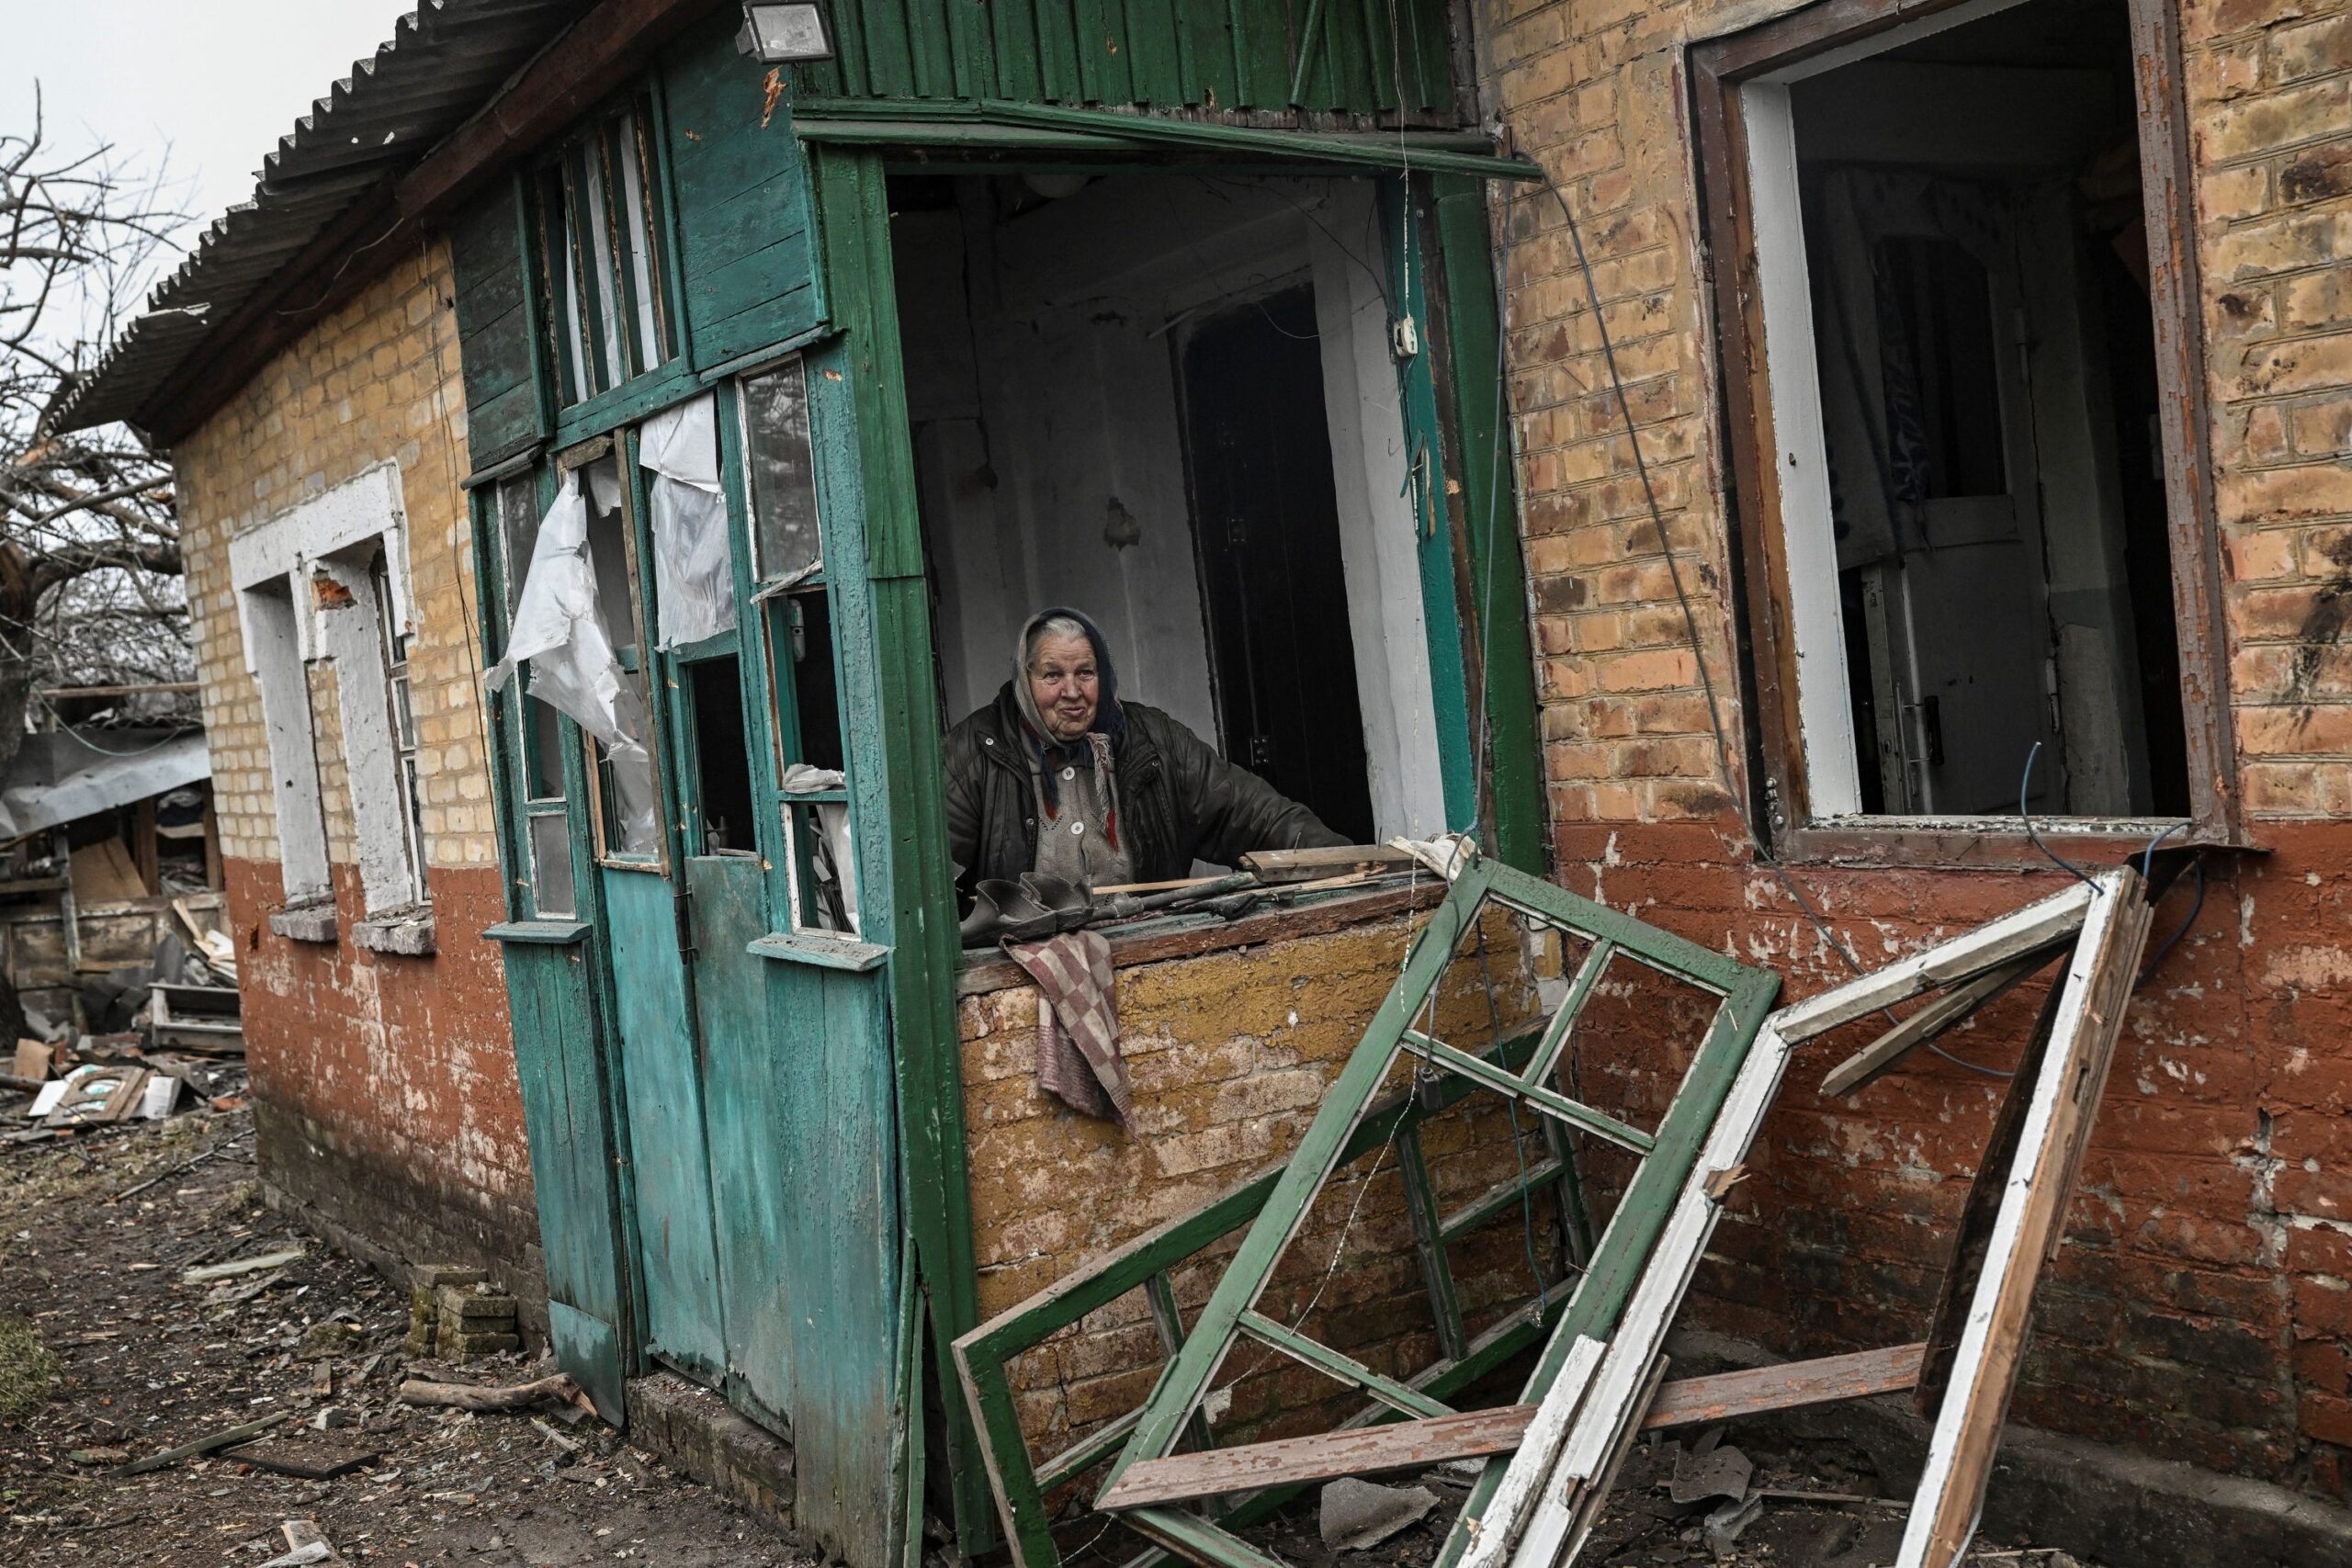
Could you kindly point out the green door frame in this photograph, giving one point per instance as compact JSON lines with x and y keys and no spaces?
{"x":908,"y":880}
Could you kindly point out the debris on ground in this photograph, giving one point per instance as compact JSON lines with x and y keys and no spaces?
{"x":102,"y":1222}
{"x":1360,"y":1514}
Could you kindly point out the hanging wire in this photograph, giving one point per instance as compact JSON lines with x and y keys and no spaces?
{"x":1682,"y":593}
{"x":2025,"y":783}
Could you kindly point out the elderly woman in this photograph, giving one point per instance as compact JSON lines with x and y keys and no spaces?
{"x":1058,"y":776}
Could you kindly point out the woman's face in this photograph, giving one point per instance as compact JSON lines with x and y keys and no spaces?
{"x":1065,"y":684}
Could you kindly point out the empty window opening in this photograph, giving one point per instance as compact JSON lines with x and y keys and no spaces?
{"x":1169,"y":400}
{"x":1960,"y":344}
{"x":724,"y":819}
{"x":805,"y":654}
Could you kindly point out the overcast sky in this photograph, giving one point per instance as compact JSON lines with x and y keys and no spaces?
{"x":211,"y":84}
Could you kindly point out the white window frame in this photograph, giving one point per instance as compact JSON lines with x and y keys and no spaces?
{"x":305,"y":595}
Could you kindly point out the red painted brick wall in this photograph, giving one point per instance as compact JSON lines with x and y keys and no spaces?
{"x":385,"y":1087}
{"x":2200,"y":1306}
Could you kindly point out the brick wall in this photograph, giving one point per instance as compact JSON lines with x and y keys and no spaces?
{"x":2201,"y":1303}
{"x":1229,"y":1055}
{"x":387,"y":1088}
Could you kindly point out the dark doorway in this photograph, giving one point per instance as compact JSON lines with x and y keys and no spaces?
{"x":1266,"y":522}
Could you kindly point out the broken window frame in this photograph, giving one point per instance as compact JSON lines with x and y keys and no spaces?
{"x":781,"y":601}
{"x":538,"y":756}
{"x":1722,"y":70}
{"x":602,"y":253}
{"x":400,"y":714}
{"x":620,"y":447}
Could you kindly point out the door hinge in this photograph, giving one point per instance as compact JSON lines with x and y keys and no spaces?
{"x":682,"y":903}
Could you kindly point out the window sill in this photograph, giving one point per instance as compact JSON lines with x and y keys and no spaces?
{"x":824,"y":950}
{"x":553,"y":934}
{"x":984,"y":971}
{"x":1986,"y":843}
{"x":406,"y":933}
{"x":305,"y":922}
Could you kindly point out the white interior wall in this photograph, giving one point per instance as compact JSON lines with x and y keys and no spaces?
{"x":1048,"y":436}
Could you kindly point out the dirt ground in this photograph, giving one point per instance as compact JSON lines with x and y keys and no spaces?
{"x":106,"y":1355}
{"x":1645,"y":1528}
{"x":142,"y":1363}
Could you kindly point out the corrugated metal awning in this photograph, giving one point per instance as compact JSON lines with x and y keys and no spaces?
{"x":445,"y":61}
{"x":64,"y":776}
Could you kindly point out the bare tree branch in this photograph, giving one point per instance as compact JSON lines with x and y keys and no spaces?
{"x":90,"y":568}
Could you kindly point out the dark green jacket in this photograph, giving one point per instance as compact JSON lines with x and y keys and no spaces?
{"x":1179,"y":800}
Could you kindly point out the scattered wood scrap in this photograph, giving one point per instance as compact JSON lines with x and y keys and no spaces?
{"x":559,"y":1390}
{"x":307,"y":1460}
{"x":1315,"y":865}
{"x":258,"y":1264}
{"x":227,"y":1438}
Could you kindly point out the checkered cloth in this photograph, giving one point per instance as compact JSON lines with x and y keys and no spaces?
{"x":1078,"y":1022}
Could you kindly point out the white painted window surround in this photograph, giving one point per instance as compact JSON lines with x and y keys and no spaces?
{"x":305,"y":594}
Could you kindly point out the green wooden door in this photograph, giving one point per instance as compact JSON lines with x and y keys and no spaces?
{"x":639,"y":888}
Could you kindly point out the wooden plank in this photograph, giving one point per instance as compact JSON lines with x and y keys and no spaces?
{"x":1306,"y":865}
{"x":1725,"y":1396}
{"x":2036,"y":926}
{"x":997,"y":973}
{"x":1473,"y":1434}
{"x":1888,"y":1052}
{"x":2036,"y":1191}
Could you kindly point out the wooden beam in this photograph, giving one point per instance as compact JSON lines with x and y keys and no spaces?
{"x":1887,"y":1053}
{"x":1475,"y":1433}
{"x":2035,"y":1195}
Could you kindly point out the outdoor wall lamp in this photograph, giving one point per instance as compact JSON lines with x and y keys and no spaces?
{"x":782,"y":34}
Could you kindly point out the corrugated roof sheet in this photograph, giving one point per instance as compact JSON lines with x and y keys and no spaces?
{"x":66,"y":775}
{"x":443,"y":62}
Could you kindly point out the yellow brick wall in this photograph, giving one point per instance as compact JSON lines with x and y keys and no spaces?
{"x":1599,"y":94}
{"x":1230,"y":1054}
{"x":376,"y":381}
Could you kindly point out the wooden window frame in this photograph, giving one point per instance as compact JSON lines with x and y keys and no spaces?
{"x":560,"y":216}
{"x":1719,"y":70}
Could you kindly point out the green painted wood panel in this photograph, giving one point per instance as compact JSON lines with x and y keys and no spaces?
{"x":496,"y":331}
{"x":1213,"y":54}
{"x":663,"y":1093}
{"x":1405,"y":236}
{"x":751,"y":1188}
{"x":1514,"y":792}
{"x":739,"y":192}
{"x":866,"y":500}
{"x":566,"y":1115}
{"x":828,"y":1113}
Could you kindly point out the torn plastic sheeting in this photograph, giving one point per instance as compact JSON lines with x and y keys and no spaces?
{"x":560,"y":630}
{"x":693,"y":575}
{"x":833,"y":858}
